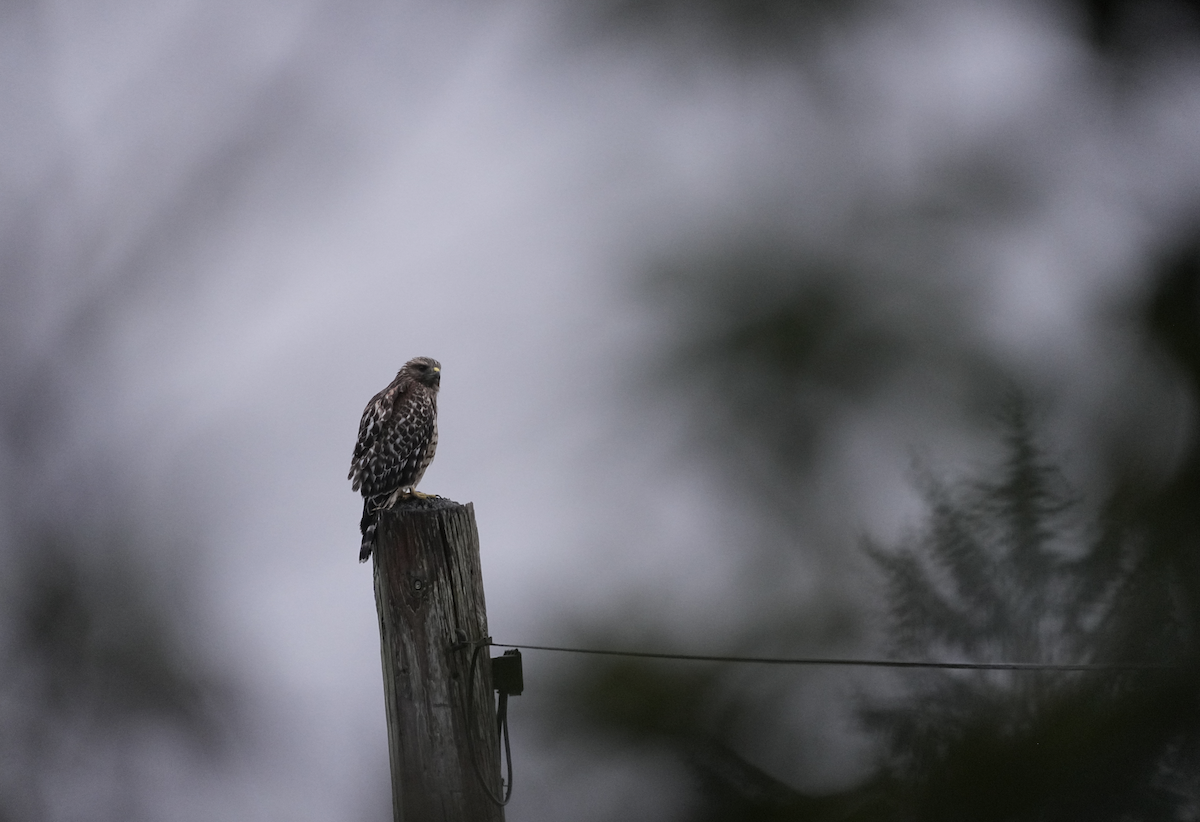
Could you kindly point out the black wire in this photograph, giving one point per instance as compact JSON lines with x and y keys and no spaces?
{"x":502,"y":708}
{"x":862,"y":663}
{"x":502,"y":731}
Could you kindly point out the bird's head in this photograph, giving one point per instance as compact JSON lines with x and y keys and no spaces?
{"x":425,"y":370}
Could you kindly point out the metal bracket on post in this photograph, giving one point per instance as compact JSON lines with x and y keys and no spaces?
{"x":508,"y":680}
{"x":507,"y":677}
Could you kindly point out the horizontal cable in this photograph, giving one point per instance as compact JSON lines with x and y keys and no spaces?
{"x":861,"y":663}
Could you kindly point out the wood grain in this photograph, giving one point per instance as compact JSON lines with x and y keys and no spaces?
{"x":429,"y":595}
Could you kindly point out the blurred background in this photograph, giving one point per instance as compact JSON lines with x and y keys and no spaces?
{"x":776,"y":327}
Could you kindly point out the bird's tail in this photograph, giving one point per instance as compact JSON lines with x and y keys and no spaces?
{"x":370,"y":521}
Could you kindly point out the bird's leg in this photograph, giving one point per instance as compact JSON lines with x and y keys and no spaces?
{"x":403,"y":492}
{"x":391,"y":501}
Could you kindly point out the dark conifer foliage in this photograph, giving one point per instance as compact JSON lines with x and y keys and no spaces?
{"x":1003,"y":572}
{"x":1010,"y":569}
{"x":991,"y":576}
{"x":1011,"y":564}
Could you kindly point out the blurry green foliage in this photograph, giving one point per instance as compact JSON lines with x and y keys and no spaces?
{"x":1125,"y":28}
{"x":87,"y":629}
{"x":773,"y":365}
{"x":94,"y":662}
{"x":1012,"y":566}
{"x":1119,"y":30}
{"x":689,"y":711}
{"x":775,"y":350}
{"x":991,"y":576}
{"x":1000,"y":573}
{"x":756,"y":26}
{"x":100,"y":680}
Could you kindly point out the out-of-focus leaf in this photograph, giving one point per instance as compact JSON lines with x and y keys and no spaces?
{"x":95,"y":662}
{"x":745,"y":26}
{"x":773,"y":351}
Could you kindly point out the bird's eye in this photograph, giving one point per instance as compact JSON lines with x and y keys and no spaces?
{"x":422,"y":366}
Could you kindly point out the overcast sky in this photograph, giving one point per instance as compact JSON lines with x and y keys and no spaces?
{"x":318,"y":192}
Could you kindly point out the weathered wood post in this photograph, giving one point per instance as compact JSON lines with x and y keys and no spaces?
{"x":429,"y":594}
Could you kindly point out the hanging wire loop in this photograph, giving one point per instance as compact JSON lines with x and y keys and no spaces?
{"x":501,"y":724}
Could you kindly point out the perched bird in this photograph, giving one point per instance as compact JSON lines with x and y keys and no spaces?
{"x":396,"y":442}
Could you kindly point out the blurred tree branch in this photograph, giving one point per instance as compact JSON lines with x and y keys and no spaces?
{"x":98,"y":662}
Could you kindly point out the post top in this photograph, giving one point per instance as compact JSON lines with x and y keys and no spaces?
{"x":429,"y":503}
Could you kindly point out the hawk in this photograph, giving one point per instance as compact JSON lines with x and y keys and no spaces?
{"x":396,"y":442}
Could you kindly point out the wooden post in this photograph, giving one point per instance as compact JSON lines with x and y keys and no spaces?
{"x":429,"y":593}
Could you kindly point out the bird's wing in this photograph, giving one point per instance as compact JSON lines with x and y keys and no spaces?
{"x":374,"y":417}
